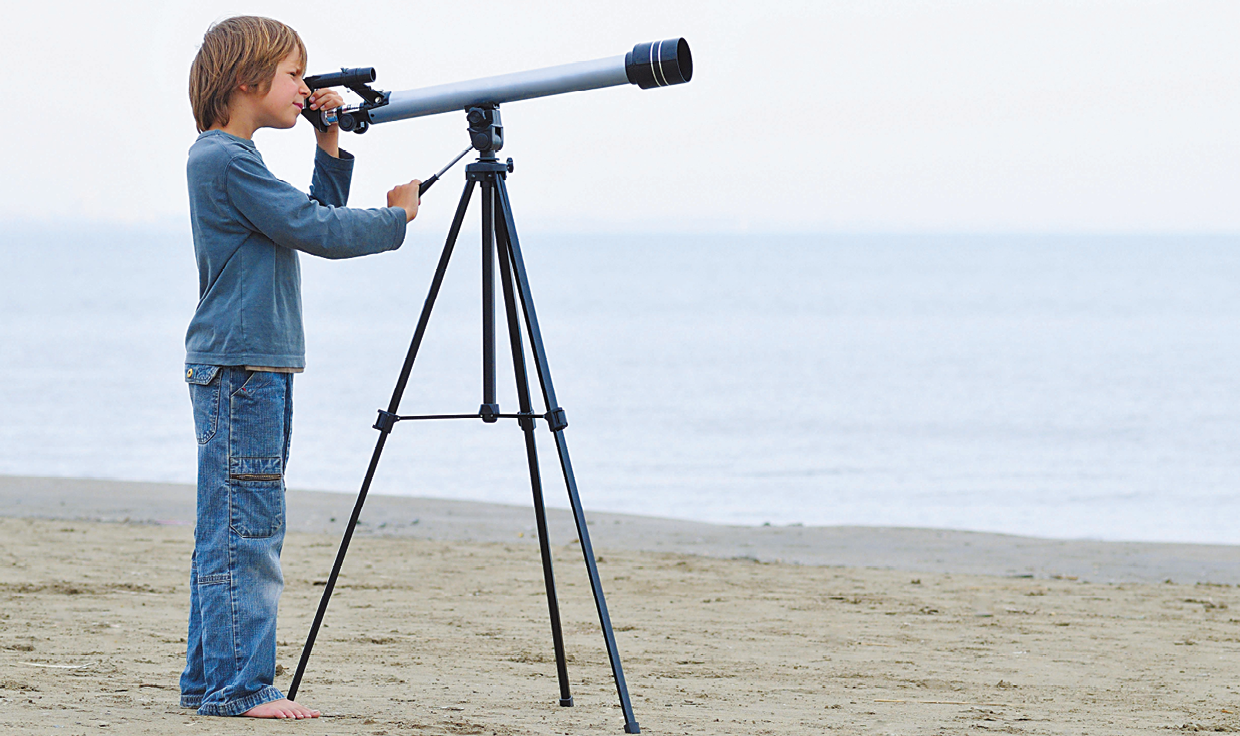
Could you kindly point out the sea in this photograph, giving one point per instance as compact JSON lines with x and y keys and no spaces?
{"x":1072,"y":386}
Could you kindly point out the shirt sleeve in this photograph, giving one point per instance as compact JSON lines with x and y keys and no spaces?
{"x":289,"y":218}
{"x":329,"y":185}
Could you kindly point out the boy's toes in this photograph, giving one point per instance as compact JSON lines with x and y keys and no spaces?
{"x":301,"y":711}
{"x":283,"y":708}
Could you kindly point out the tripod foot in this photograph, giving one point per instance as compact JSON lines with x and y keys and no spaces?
{"x":566,"y":702}
{"x":632,"y":728}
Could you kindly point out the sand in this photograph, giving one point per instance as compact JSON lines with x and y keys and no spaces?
{"x":446,"y":633}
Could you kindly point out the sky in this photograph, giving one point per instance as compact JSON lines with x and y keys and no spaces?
{"x":859,"y":116}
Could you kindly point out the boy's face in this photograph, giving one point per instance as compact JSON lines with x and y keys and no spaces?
{"x":282,"y":104}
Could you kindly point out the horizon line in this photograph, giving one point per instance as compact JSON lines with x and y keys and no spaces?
{"x":181,"y":225}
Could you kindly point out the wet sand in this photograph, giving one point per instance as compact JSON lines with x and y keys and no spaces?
{"x":439,"y":625}
{"x":917,"y":550}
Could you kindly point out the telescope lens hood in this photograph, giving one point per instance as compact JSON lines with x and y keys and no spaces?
{"x":659,"y":63}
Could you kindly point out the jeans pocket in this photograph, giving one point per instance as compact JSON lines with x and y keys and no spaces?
{"x":256,"y":437}
{"x":256,"y":496}
{"x":204,"y":394}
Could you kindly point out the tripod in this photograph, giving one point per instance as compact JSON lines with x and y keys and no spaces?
{"x":499,"y":242}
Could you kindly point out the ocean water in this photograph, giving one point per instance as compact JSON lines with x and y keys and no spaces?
{"x":1067,"y":387}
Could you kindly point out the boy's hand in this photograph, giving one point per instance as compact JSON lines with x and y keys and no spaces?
{"x":406,"y":196}
{"x":327,"y":99}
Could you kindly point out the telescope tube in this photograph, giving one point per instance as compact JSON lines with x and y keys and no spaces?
{"x":653,"y":64}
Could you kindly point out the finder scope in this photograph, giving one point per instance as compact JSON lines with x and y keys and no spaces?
{"x":342,"y":78}
{"x":652,"y":64}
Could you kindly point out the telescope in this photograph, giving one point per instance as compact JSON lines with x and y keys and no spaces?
{"x":654,"y":64}
{"x":651,"y":64}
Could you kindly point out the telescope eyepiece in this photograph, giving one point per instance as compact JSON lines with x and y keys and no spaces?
{"x":659,"y":63}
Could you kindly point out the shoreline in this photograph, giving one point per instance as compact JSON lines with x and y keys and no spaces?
{"x":883,"y":548}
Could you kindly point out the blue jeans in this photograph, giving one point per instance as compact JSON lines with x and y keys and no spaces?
{"x":242,"y":419}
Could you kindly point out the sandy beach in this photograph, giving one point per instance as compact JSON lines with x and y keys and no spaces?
{"x":439,"y":625}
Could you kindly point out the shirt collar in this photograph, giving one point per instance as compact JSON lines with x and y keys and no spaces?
{"x":228,"y":137}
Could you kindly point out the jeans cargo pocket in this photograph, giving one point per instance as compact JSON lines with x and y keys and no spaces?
{"x":255,"y":454}
{"x":256,"y":496}
{"x":204,"y":394}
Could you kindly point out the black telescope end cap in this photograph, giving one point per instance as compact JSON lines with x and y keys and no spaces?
{"x":659,"y":63}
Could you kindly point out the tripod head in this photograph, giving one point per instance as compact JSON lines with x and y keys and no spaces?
{"x":486,"y":134}
{"x":486,"y":131}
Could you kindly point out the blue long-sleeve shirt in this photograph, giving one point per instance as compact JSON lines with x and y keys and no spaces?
{"x":248,"y":226}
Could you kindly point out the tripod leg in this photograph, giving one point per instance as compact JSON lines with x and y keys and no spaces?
{"x":489,"y":407}
{"x":531,"y":452}
{"x":506,"y":232}
{"x":393,"y":407}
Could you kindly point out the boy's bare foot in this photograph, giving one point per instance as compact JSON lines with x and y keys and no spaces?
{"x":282,"y":708}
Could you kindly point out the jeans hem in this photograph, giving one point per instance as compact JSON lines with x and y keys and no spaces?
{"x":237,"y":707}
{"x":191,"y":701}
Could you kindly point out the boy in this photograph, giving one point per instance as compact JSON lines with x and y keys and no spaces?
{"x":245,"y":342}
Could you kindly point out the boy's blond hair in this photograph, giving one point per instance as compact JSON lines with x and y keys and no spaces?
{"x":236,"y":51}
